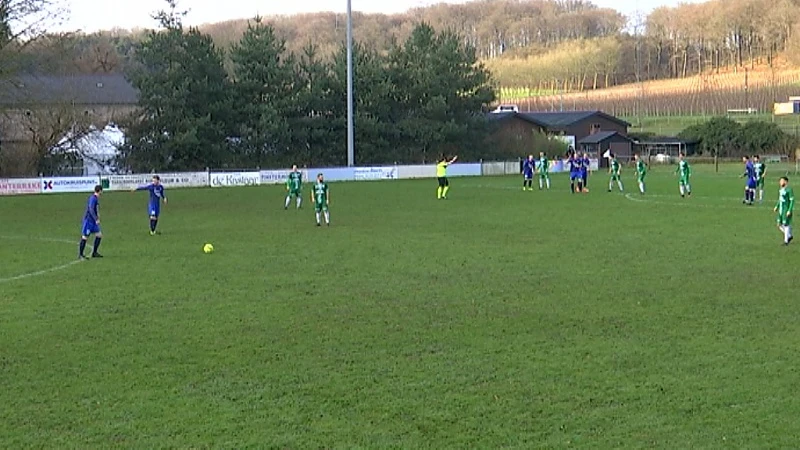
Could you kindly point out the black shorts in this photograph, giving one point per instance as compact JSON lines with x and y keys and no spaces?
{"x":443,"y":182}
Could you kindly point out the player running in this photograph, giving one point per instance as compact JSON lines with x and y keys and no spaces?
{"x":441,"y":175}
{"x":91,"y":224}
{"x":544,"y":171}
{"x":615,"y":169}
{"x":528,"y":167}
{"x":157,"y":194}
{"x":294,"y":187}
{"x":750,"y":181}
{"x":685,"y":173}
{"x":585,"y":163}
{"x":761,"y":174}
{"x":785,"y":209}
{"x":641,"y":172}
{"x":321,"y":198}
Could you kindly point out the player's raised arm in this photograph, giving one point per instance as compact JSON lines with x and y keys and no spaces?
{"x":453,"y":160}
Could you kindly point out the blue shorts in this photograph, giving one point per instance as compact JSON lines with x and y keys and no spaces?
{"x":153,"y":210}
{"x":528,"y":175}
{"x":89,"y":227}
{"x":751,"y":183}
{"x":584,"y":175}
{"x":574,"y":175}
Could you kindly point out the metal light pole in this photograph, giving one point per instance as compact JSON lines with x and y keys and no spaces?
{"x":350,"y":150}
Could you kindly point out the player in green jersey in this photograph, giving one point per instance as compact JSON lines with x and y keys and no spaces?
{"x":543,"y":166}
{"x":785,"y":209}
{"x":641,"y":171}
{"x":761,"y":174}
{"x":294,"y":187}
{"x":685,"y":173}
{"x":614,"y":168}
{"x":321,"y":198}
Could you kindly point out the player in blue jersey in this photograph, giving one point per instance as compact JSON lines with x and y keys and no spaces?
{"x":574,"y":172}
{"x":91,"y":224}
{"x":750,"y":181}
{"x":585,"y":163}
{"x":157,"y":195}
{"x":528,"y":167}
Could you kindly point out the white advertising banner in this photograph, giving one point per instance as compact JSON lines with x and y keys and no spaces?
{"x":229,"y":179}
{"x":427,"y":171}
{"x":280,"y":176}
{"x":69,"y":184}
{"x":177,"y":180}
{"x":375,"y":173}
{"x":19,"y":186}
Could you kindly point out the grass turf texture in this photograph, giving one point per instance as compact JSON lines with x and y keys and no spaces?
{"x":497,"y":318}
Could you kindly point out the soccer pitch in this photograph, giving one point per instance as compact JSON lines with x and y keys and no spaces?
{"x":496,"y":318}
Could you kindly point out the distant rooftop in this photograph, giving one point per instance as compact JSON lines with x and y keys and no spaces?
{"x":599,"y":137}
{"x":75,"y":89}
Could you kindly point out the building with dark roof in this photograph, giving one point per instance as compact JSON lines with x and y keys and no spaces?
{"x":607,"y":141}
{"x":518,"y":128}
{"x":85,"y":90}
{"x":37,"y":110}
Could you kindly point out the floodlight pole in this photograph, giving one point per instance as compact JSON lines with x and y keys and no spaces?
{"x":350,"y":143}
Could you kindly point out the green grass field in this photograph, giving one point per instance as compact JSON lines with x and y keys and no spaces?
{"x":496,"y":319}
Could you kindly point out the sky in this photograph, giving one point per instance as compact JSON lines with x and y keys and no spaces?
{"x":94,"y":15}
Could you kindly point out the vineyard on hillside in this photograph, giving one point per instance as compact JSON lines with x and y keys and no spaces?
{"x":700,"y":95}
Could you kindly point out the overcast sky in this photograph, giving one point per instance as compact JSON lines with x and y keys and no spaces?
{"x":93,"y":15}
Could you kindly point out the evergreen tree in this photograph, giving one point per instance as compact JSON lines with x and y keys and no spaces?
{"x":314,"y":126}
{"x":373,"y":106}
{"x":265,"y":92}
{"x":440,"y":90}
{"x":184,"y":101}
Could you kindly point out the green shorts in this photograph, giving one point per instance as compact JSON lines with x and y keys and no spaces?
{"x":684,"y":181}
{"x":760,"y":183}
{"x":295,"y":192}
{"x":785,"y":221}
{"x":319,"y":207}
{"x":544,"y":175}
{"x":640,"y":177}
{"x":615,"y":177}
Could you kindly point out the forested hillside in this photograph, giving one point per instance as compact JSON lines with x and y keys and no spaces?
{"x":541,"y":44}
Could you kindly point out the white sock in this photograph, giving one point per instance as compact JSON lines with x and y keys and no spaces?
{"x":317,"y":217}
{"x":760,"y":195}
{"x":548,"y":183}
{"x":688,"y":189}
{"x":540,"y":183}
{"x":620,"y":186}
{"x":683,"y":190}
{"x":641,"y":187}
{"x":327,"y":217}
{"x":288,"y":200}
{"x":787,"y":233}
{"x":610,"y":185}
{"x":299,"y":201}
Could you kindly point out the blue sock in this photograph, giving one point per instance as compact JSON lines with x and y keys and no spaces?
{"x":96,"y":245}
{"x":82,"y":247}
{"x":152,"y":225}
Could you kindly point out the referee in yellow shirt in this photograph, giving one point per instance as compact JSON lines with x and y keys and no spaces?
{"x":441,"y":175}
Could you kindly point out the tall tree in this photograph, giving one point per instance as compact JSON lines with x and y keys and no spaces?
{"x":373,"y":106}
{"x":184,"y":100}
{"x":440,"y":89}
{"x":265,"y":88}
{"x":314,"y":126}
